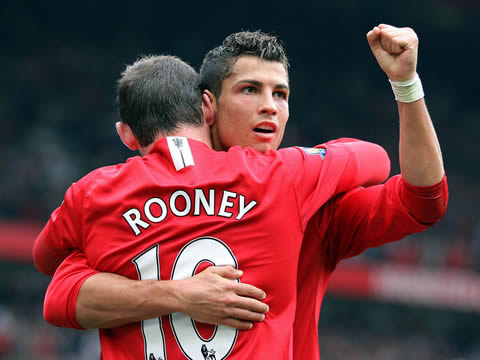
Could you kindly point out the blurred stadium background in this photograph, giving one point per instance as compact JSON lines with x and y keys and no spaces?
{"x":415,"y":299}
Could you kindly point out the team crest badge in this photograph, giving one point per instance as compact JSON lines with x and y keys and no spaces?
{"x":315,"y":151}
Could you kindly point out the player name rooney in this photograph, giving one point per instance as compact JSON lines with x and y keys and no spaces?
{"x":156,"y":209}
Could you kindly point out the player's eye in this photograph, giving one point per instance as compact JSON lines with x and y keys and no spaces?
{"x":281,"y":94}
{"x":249,"y":90}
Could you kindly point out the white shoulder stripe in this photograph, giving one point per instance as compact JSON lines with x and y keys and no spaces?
{"x":180,"y":152}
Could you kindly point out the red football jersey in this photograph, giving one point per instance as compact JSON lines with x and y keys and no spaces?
{"x":375,"y":216}
{"x":162,"y":215}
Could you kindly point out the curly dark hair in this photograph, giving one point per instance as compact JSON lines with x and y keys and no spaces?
{"x":218,"y":63}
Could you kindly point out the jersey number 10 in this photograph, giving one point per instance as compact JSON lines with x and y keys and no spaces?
{"x":191,"y":343}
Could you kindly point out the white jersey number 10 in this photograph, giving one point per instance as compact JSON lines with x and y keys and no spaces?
{"x":192,"y":344}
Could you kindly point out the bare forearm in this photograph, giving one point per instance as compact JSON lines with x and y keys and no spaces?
{"x":213,"y":296}
{"x":109,"y":300}
{"x":396,"y":51}
{"x":421,"y":161}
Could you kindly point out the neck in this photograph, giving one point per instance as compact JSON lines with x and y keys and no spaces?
{"x":201,"y":133}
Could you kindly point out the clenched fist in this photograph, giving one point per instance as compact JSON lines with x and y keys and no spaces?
{"x":396,"y":50}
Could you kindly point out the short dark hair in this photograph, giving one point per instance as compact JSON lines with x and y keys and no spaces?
{"x":218,"y":63}
{"x":157,"y":94}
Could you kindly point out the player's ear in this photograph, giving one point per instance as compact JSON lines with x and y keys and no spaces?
{"x":208,"y":106}
{"x":126,"y":135}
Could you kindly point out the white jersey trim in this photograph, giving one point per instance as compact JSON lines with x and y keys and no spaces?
{"x":180,"y":152}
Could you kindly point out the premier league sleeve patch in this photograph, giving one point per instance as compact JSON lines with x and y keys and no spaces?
{"x":315,"y":151}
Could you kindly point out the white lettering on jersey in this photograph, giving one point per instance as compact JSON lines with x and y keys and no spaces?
{"x":135,"y":222}
{"x":225,"y":203}
{"x":244,"y":209}
{"x":208,"y":205}
{"x":173,"y":206}
{"x":156,"y":209}
{"x":180,"y":152}
{"x":148,"y":212}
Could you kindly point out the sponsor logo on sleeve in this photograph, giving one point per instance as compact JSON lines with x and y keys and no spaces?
{"x":315,"y":151}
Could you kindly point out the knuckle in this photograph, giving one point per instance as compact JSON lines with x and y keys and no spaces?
{"x":229,"y":286}
{"x":229,"y":299}
{"x":225,"y":312}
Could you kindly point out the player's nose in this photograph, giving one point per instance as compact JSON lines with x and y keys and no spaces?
{"x":267,"y":105}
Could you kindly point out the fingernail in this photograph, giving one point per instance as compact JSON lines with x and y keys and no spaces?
{"x":264,"y":296}
{"x":240,"y":272}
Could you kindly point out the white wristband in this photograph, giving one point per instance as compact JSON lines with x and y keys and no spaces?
{"x":408,"y":91}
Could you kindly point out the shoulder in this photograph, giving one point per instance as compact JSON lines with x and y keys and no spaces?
{"x":343,"y":141}
{"x":352,"y":144}
{"x":103,"y":175}
{"x":251,"y":155}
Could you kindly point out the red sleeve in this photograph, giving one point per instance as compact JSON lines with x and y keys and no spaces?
{"x":368,"y":163}
{"x":46,"y":260}
{"x":61,"y":298}
{"x":322,"y":172}
{"x":61,"y":235}
{"x":382,"y":214}
{"x":427,"y":204}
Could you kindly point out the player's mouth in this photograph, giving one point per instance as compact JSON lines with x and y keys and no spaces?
{"x":265,"y":129}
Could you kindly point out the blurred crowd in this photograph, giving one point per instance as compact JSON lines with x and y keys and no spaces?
{"x":358,"y":345}
{"x":24,"y":335}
